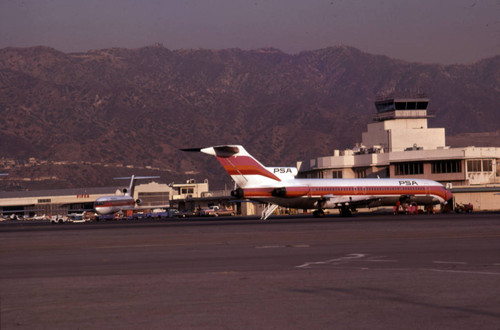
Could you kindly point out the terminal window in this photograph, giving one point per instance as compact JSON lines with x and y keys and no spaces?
{"x":360,"y":172}
{"x":478,"y":165}
{"x":409,"y":168}
{"x":187,"y":190}
{"x":154,"y":198}
{"x":487,"y":165}
{"x":447,"y":166}
{"x":336,"y":174}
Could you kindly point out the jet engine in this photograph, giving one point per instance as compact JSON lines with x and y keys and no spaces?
{"x":238,"y":193}
{"x":279,"y":192}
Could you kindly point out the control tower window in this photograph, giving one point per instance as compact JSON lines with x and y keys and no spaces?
{"x":400,"y":105}
{"x":385,"y":106}
{"x":422,"y":105}
{"x":411,"y":105}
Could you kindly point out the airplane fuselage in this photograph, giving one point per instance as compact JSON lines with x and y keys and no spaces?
{"x":331,"y":193}
{"x":113,"y":204}
{"x":279,"y":186}
{"x":117,"y":203}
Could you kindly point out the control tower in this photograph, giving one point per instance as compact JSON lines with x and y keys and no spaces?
{"x":401,"y":124}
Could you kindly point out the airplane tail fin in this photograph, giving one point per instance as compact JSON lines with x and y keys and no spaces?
{"x":244,"y":169}
{"x":130,"y":190}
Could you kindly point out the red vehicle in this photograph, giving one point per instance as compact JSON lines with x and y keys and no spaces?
{"x":464,"y":208}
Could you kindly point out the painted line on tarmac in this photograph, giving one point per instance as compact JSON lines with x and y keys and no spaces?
{"x":282,"y":246}
{"x":270,"y":247}
{"x":129,"y":246}
{"x":463,"y":272}
{"x":450,"y":262}
{"x":356,"y":257}
{"x":336,"y":261}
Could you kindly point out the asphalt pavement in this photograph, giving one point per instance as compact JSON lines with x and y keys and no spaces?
{"x":363,"y":272}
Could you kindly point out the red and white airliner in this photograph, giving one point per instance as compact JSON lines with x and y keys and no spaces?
{"x":277,"y":186}
{"x":117,"y":203}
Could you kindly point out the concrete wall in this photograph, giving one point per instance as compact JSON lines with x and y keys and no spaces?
{"x":397,"y":135}
{"x":482,"y":201}
{"x":431,"y":138}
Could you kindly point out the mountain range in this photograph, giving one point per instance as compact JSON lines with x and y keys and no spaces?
{"x":79,"y":119}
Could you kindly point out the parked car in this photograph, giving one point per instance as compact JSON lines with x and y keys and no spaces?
{"x":222,"y":212}
{"x":14,"y":216}
{"x":464,"y":208}
{"x":186,"y":214}
{"x":60,"y":219}
{"x":215,"y":211}
{"x":157,"y":214}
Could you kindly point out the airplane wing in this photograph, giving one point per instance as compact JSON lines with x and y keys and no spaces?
{"x":332,"y":201}
{"x":147,"y":207}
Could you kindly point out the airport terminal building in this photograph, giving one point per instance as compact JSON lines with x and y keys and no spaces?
{"x":188,"y":195}
{"x":65,"y":201}
{"x":399,"y":144}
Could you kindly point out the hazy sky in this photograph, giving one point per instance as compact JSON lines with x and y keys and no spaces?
{"x":445,"y":31}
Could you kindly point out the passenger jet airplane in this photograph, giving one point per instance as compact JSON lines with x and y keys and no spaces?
{"x":277,"y":186}
{"x":117,"y":203}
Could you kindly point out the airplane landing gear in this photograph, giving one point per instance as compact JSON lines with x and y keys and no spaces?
{"x":319,"y":213}
{"x":345,"y":211}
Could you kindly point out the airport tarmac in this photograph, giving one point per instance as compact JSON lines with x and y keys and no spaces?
{"x":363,"y":272}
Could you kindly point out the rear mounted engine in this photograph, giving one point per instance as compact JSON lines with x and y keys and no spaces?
{"x":279,"y":192}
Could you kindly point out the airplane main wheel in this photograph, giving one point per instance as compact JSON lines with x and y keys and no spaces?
{"x":319,"y":213}
{"x":345,"y":212}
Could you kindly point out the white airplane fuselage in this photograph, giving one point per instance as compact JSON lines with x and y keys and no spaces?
{"x":117,"y":203}
{"x":333,"y":193}
{"x":113,"y":204}
{"x":279,"y":186}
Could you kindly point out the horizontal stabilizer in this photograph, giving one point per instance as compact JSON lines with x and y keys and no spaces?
{"x":136,"y":177}
{"x":224,"y":151}
{"x":191,"y":149}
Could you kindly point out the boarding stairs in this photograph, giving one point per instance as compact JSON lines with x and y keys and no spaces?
{"x":268,"y":210}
